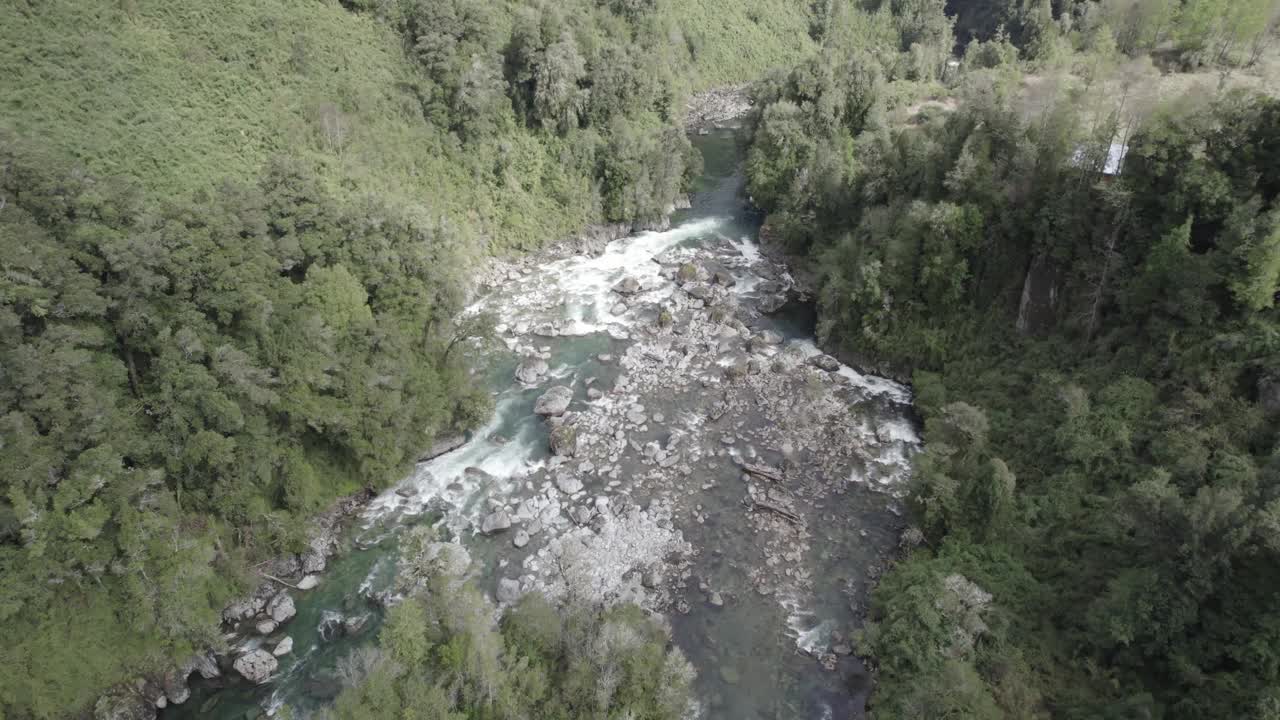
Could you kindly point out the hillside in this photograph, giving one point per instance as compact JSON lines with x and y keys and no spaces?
{"x":235,"y":236}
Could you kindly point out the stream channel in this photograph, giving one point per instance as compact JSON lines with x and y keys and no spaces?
{"x":688,"y":358}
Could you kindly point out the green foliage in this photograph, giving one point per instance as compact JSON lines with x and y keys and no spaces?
{"x":1092,"y":357}
{"x":442,"y":656}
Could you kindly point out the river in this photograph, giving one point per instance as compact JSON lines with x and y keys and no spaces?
{"x":675,"y":387}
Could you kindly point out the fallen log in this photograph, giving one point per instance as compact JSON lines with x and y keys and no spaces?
{"x":763,"y":472}
{"x":282,"y":582}
{"x":779,"y":511}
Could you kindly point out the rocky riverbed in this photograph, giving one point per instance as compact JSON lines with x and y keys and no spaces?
{"x":666,"y":433}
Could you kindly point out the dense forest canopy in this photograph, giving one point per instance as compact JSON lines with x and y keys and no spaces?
{"x":235,"y":238}
{"x":1094,"y":349}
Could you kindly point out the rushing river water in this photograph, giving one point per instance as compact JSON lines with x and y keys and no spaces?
{"x":757,"y":601}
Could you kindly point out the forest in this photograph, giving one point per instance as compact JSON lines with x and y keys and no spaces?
{"x":235,"y":238}
{"x":1093,"y":349}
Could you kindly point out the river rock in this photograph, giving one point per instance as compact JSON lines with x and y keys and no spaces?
{"x":568,"y":484}
{"x":284,"y":647}
{"x":716,"y":599}
{"x":508,"y":590}
{"x":564,"y":441}
{"x":825,"y":362}
{"x":554,"y":401}
{"x":770,"y":304}
{"x":627,"y":286}
{"x":308,"y":582}
{"x":495,"y":522}
{"x":256,"y":666}
{"x":531,"y":370}
{"x":594,"y":393}
{"x":265,"y":626}
{"x":355,"y":624}
{"x":521,"y":539}
{"x":281,"y":608}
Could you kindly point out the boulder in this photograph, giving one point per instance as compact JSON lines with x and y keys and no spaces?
{"x":767,"y":337}
{"x":521,"y":539}
{"x":308,"y":582}
{"x":238,"y":610}
{"x":281,"y":608}
{"x":531,"y":370}
{"x":265,"y":626}
{"x":825,"y":362}
{"x":627,"y":286}
{"x":284,"y":647}
{"x":770,"y":304}
{"x":594,"y":393}
{"x":355,"y":624}
{"x":508,"y":590}
{"x":256,"y":666}
{"x":564,"y":441}
{"x":554,"y":401}
{"x":174,"y":685}
{"x":568,"y":484}
{"x":495,"y":522}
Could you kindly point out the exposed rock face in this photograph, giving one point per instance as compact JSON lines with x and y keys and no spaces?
{"x":554,"y":401}
{"x":531,"y":370}
{"x":256,"y":666}
{"x":442,"y":446}
{"x":495,"y":522}
{"x":1269,"y":394}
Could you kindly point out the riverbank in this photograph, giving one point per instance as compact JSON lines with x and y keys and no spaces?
{"x":675,"y":439}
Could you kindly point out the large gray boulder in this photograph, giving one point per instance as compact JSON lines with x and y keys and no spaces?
{"x":495,"y":522}
{"x":627,"y":286}
{"x":256,"y":666}
{"x":568,"y":484}
{"x":284,"y":647}
{"x":825,"y":362}
{"x":281,"y":608}
{"x":508,"y":590}
{"x":531,"y":370}
{"x":554,"y":401}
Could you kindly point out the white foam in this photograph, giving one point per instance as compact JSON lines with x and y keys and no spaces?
{"x":872,"y":384}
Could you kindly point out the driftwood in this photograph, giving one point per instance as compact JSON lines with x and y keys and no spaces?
{"x":778,"y":510}
{"x":282,"y":582}
{"x":763,"y":472}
